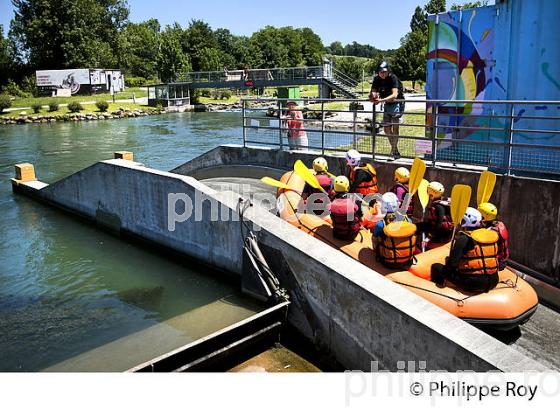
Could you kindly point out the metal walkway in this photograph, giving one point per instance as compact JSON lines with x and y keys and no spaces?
{"x":323,"y":75}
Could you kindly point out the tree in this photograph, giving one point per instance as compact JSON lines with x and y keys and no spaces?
{"x":312,"y":47}
{"x":209,"y":59}
{"x":268,"y":48}
{"x":435,"y":6}
{"x":68,"y":33}
{"x":5,"y":58}
{"x":172,"y":63}
{"x":351,"y":66}
{"x":469,"y":5}
{"x":409,"y":61}
{"x":138,"y":48}
{"x":336,"y":48}
{"x":242,"y":52}
{"x":294,"y":44}
{"x":197,"y":37}
{"x":419,"y":21}
{"x":226,"y":45}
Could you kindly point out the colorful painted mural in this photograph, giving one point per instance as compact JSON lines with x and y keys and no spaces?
{"x":504,"y":52}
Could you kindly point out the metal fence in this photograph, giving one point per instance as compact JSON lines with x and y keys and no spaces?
{"x":265,"y":74}
{"x":510,"y":137}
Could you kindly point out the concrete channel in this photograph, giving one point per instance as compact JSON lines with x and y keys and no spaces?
{"x":538,"y":338}
{"x":357,"y":318}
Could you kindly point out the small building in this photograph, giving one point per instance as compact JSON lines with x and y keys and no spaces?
{"x":169,"y":95}
{"x":79,"y":81}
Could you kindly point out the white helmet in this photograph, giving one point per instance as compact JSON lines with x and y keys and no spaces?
{"x":472,"y":218}
{"x":353,"y":157}
{"x":389,"y":203}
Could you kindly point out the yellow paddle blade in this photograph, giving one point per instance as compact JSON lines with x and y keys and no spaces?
{"x":301,"y":169}
{"x":460,"y":198}
{"x":273,"y":182}
{"x":416,"y":174}
{"x":485,"y":187}
{"x":423,"y":193}
{"x":371,"y":169}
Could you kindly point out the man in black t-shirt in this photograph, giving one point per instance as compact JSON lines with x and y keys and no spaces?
{"x":385,"y":88}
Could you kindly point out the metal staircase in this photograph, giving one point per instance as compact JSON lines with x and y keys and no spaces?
{"x":343,"y":84}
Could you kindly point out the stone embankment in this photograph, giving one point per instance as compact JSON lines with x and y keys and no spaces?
{"x":24,"y":118}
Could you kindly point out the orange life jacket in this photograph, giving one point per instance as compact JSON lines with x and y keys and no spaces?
{"x":395,"y":248}
{"x":482,"y":259}
{"x":366,"y":187}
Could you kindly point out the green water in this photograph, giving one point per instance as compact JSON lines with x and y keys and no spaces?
{"x":66,"y":287}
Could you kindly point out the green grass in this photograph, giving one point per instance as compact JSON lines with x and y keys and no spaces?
{"x":125,"y":95}
{"x":309,"y":91}
{"x":342,"y":106}
{"x":209,"y":100}
{"x":407,"y":147}
{"x":88,"y":109}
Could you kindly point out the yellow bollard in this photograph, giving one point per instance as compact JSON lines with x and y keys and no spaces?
{"x":127,"y":155}
{"x":24,"y":173}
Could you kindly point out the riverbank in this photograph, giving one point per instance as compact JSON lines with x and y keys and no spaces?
{"x":121,"y":112}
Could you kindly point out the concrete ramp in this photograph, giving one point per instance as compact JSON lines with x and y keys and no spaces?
{"x":348,"y":311}
{"x":159,"y":339}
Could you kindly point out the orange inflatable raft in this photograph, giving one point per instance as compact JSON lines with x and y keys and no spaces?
{"x":511,"y":303}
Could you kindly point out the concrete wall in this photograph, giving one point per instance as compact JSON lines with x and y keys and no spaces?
{"x":530,"y":208}
{"x":345,"y":309}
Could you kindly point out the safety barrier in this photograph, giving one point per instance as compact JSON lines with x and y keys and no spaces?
{"x":510,"y":137}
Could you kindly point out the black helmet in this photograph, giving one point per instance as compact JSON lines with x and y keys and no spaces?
{"x":383,"y":66}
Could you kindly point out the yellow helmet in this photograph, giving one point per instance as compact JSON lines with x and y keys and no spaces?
{"x":402,"y":175}
{"x":489,"y":211}
{"x":435,"y":190}
{"x":320,"y":165}
{"x":341,"y":184}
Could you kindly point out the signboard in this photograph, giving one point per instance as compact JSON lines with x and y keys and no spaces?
{"x":68,"y":79}
{"x":96,"y":77}
{"x":423,"y":147}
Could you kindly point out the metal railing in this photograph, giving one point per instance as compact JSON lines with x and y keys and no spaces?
{"x":509,"y":137}
{"x":344,"y":79}
{"x":261,"y":74}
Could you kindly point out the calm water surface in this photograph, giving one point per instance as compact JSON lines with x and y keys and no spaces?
{"x":67,"y":288}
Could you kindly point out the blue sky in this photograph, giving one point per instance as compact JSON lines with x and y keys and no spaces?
{"x":380,"y":23}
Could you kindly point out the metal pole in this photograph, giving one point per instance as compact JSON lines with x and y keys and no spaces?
{"x":434,"y":64}
{"x":363,"y":78}
{"x":354,"y":117}
{"x":280,"y":123}
{"x":244,"y":123}
{"x":322,"y":127}
{"x":373,"y":131}
{"x":435,"y":109}
{"x":510,"y":146}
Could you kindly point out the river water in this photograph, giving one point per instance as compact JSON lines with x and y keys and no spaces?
{"x":75,"y":298}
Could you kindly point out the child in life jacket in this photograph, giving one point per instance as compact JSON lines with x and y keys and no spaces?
{"x":316,"y":200}
{"x":395,"y":241}
{"x":345,"y":211}
{"x":362,"y":176}
{"x":473,"y":262}
{"x":437,"y":224}
{"x":400,"y":189}
{"x":489,"y":213}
